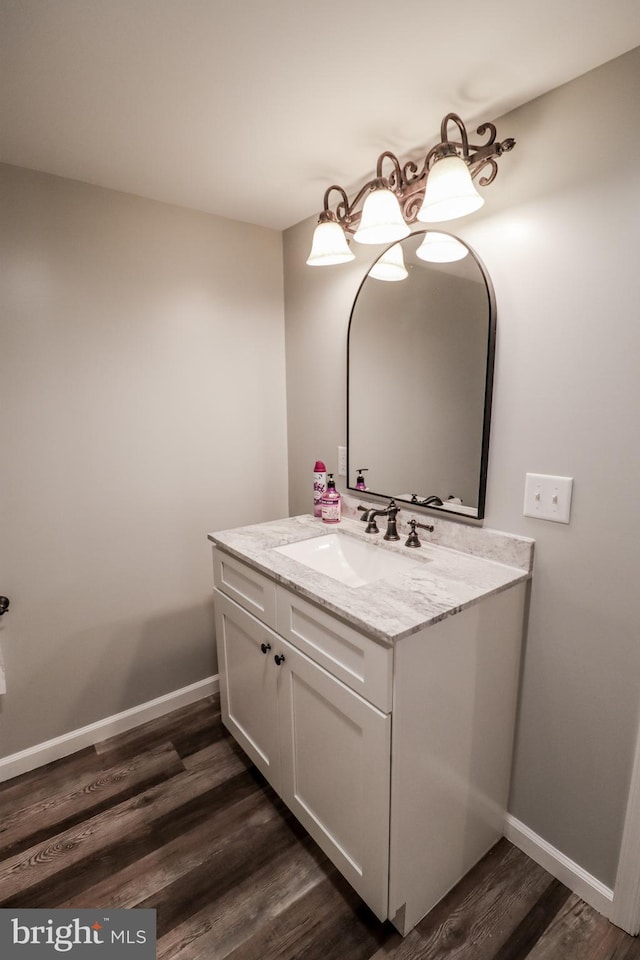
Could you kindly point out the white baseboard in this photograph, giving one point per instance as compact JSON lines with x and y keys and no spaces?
{"x":586,"y":886}
{"x":42,"y":753}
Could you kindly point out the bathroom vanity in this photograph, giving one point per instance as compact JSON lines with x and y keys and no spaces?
{"x":382,"y":713}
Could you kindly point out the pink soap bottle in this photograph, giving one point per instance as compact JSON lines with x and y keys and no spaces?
{"x":319,"y":486}
{"x":331,"y":502}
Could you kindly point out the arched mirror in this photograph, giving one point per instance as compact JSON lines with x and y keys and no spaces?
{"x":420,"y":375}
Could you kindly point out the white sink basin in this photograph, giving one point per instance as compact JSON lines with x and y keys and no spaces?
{"x":347,"y":559}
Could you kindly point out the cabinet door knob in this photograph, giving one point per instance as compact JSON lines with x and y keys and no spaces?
{"x":265,"y":647}
{"x":279,"y":658}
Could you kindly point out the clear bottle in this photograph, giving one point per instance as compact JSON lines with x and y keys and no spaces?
{"x":331,"y":502}
{"x":360,"y":482}
{"x":319,"y":487}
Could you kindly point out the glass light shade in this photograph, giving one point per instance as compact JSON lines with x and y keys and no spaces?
{"x":382,"y":220}
{"x":450,"y":192}
{"x":329,"y":245}
{"x":390,"y":266}
{"x":441,"y":248}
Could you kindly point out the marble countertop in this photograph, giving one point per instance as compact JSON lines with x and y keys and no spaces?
{"x":444,"y":581}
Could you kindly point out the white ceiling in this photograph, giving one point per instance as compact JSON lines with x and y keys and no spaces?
{"x":250,"y":108}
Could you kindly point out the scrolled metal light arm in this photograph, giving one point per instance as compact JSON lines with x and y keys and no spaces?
{"x":408,"y":181}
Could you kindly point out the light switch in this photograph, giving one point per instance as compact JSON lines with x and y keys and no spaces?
{"x":342,"y":461}
{"x":548,"y":498}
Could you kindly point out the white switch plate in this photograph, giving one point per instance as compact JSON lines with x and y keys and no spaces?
{"x":342,"y":461}
{"x":548,"y":498}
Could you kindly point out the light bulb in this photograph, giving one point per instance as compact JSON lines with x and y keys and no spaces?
{"x":381,"y":220}
{"x":329,"y":245}
{"x":450,"y":192}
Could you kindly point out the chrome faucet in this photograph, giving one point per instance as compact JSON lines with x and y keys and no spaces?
{"x":391,"y":513}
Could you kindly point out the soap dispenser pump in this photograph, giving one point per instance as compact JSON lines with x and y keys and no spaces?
{"x":360,"y":484}
{"x":331,"y":502}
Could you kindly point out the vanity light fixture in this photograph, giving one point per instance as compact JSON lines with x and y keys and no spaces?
{"x":450,"y":192}
{"x":440,"y":189}
{"x":381,"y":220}
{"x":329,"y":244}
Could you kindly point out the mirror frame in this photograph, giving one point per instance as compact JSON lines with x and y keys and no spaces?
{"x":488,"y":391}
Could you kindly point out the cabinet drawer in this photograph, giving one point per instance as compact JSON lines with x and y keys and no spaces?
{"x":359,"y":662}
{"x":253,"y":591}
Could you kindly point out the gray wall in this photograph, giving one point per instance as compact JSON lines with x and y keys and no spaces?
{"x":142,"y":404}
{"x":558,"y":235}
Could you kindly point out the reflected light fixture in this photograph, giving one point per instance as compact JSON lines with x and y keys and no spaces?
{"x":441,"y":248}
{"x":390,"y":266}
{"x":439,"y":189}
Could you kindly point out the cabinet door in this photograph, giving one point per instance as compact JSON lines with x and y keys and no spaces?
{"x":248,"y":694}
{"x":335,"y":751}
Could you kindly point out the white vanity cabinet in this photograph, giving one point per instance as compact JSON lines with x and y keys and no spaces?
{"x":322,"y":746}
{"x":396,"y":758}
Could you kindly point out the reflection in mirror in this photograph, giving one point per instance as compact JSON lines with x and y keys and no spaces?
{"x":420,"y":372}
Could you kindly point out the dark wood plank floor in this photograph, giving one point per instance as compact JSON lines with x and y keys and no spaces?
{"x":172,"y":816}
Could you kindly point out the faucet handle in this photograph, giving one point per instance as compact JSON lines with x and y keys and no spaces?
{"x":412,"y":540}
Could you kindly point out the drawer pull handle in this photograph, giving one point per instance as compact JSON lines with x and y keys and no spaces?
{"x":265,"y":647}
{"x":279,"y":658}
